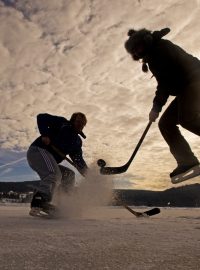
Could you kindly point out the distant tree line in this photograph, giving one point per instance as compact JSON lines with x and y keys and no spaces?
{"x":20,"y":187}
{"x":184,"y":196}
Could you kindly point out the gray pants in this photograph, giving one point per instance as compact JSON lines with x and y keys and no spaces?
{"x":51,"y":174}
{"x":184,"y":110}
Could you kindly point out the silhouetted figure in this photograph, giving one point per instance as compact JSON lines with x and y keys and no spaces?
{"x":56,"y":131}
{"x":177,"y":74}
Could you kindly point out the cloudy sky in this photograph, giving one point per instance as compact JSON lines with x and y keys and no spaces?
{"x":62,"y":56}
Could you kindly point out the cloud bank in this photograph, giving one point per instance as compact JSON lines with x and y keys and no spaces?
{"x":65,"y":56}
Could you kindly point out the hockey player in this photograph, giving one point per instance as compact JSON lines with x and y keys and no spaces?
{"x":177,"y":74}
{"x":56,"y":131}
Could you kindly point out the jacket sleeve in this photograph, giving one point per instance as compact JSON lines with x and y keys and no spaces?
{"x":160,"y":98}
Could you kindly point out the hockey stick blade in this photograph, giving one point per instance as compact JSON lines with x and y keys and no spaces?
{"x":148,"y":213}
{"x":152,"y":212}
{"x":117,"y":170}
{"x":113,"y":170}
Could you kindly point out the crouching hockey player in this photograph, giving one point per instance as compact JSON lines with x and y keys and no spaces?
{"x":56,"y":133}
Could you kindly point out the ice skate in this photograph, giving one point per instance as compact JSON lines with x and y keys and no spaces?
{"x":46,"y":211}
{"x":42,"y":208}
{"x":186,"y":175}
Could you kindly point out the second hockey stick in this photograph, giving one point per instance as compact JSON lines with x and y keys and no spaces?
{"x":117,"y":170}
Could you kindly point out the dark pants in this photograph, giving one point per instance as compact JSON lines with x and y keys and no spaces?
{"x":184,"y":110}
{"x":51,"y":174}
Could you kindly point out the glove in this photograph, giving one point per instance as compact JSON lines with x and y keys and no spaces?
{"x":153,"y":115}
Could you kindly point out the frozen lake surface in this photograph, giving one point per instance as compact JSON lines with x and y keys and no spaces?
{"x":105,"y":238}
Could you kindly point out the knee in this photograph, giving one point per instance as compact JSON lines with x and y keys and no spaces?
{"x":69,"y":174}
{"x":166,"y":125}
{"x":163,"y":125}
{"x":55,"y":177}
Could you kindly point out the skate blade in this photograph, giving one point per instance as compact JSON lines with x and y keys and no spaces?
{"x":191,"y":173}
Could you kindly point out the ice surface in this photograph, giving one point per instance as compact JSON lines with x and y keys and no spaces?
{"x":106,"y":238}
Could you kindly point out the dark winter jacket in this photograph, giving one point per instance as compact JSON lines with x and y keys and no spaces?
{"x":173,"y":68}
{"x":63,"y":136}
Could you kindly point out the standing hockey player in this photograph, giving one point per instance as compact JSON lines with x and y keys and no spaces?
{"x":177,"y":74}
{"x":56,"y":131}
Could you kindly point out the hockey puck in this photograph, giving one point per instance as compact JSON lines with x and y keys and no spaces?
{"x":101,"y":163}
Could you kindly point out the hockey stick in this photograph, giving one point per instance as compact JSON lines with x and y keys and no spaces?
{"x":117,"y":170}
{"x":64,"y":156}
{"x":148,"y":213}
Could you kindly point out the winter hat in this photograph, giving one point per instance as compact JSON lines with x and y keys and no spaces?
{"x":141,"y":41}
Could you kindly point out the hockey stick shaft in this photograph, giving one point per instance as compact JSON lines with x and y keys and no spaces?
{"x":139,"y":144}
{"x":60,"y":153}
{"x":122,"y":169}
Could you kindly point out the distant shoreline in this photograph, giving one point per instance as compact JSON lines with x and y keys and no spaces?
{"x":184,"y":196}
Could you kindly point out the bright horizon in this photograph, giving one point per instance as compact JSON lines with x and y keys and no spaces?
{"x":61,"y":57}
